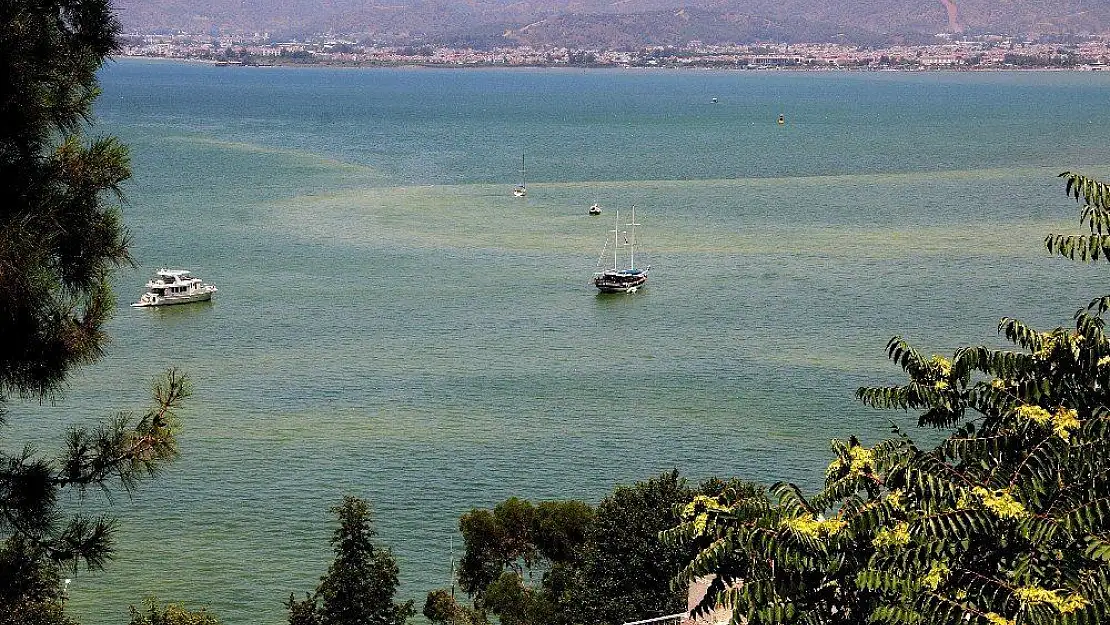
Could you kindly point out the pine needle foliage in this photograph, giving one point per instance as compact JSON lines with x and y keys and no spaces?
{"x":1005,"y":522}
{"x":361,"y":582}
{"x":61,"y":237}
{"x":61,"y":233}
{"x":37,"y":538}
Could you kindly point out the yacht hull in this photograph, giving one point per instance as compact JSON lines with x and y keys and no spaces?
{"x":619,"y":282}
{"x":170,"y":301}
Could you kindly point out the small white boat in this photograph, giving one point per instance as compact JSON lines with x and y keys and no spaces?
{"x":174,"y":286}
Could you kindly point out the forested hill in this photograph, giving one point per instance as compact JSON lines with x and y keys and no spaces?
{"x":615,"y":23}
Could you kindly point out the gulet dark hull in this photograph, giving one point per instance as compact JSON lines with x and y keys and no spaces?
{"x":620,"y":281}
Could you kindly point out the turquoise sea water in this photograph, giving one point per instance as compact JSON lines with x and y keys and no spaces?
{"x":392,"y":323}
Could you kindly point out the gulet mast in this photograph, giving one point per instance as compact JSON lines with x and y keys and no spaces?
{"x":616,"y":238}
{"x":632,"y":242}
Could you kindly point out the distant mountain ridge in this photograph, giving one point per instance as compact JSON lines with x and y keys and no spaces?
{"x":617,"y":23}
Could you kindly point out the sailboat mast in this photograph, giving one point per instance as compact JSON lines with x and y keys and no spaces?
{"x":632,"y":242}
{"x":616,"y":238}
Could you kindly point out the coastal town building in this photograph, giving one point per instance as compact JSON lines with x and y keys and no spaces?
{"x":984,"y":52}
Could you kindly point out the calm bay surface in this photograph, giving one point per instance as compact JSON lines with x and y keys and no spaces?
{"x":393,"y":324}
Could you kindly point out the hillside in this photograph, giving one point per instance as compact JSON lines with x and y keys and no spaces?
{"x":614,"y":23}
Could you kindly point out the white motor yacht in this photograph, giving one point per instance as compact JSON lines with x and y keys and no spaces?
{"x":174,"y":286}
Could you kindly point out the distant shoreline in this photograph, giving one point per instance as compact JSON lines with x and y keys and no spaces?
{"x":648,"y":68}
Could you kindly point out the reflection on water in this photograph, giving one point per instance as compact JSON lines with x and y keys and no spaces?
{"x":620,"y":299}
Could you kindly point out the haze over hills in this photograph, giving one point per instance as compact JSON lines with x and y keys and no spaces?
{"x":620,"y":23}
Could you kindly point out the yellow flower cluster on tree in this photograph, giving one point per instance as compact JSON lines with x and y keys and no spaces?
{"x":1070,"y":340}
{"x":814,"y":528}
{"x":859,"y":460}
{"x":896,"y":499}
{"x":942,"y":363}
{"x":1072,"y":603}
{"x":1063,"y":421}
{"x":1034,"y":595}
{"x":699,"y":508}
{"x":944,"y":369}
{"x":1000,"y":502}
{"x":1036,"y":414}
{"x":1048,"y":341}
{"x":998,"y":619}
{"x":896,"y":536}
{"x":938,"y":572}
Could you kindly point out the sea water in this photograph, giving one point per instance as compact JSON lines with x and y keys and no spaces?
{"x":392,"y":323}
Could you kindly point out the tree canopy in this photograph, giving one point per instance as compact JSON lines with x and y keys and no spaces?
{"x":170,"y":614}
{"x":567,"y":563}
{"x":61,"y":235}
{"x":626,"y":570}
{"x":60,"y":227}
{"x":1006,"y":521}
{"x":360,"y":584}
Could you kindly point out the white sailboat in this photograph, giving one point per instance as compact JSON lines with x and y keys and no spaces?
{"x":618,"y":280}
{"x":521,"y":189}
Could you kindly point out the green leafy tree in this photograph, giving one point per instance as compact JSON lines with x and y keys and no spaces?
{"x":517,"y":602}
{"x":564,"y":563}
{"x":61,"y":236}
{"x":507,"y":546}
{"x":361,"y":582}
{"x":496,"y":540}
{"x":170,"y":614}
{"x":441,"y":608}
{"x":304,"y":612}
{"x":626,"y":570}
{"x":1007,"y":521}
